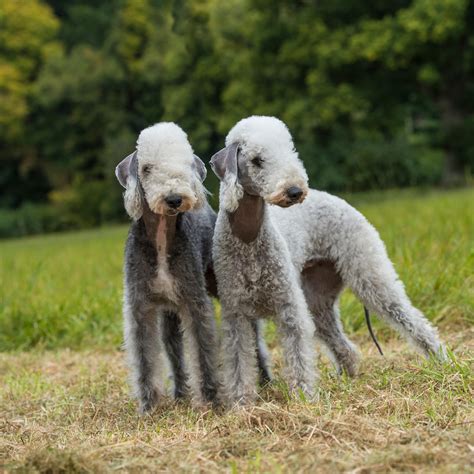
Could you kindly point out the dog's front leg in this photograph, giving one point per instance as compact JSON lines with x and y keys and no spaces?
{"x":201,"y":341}
{"x":143,"y":346}
{"x":173,"y":340}
{"x":239,"y":358}
{"x":297,"y":334}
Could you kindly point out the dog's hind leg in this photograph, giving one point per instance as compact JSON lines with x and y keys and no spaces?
{"x":367,"y":270}
{"x":322,"y":286}
{"x":263,"y":357}
{"x":173,"y":339}
{"x":390,"y":303}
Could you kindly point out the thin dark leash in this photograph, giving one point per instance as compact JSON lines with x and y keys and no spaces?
{"x":369,"y":325}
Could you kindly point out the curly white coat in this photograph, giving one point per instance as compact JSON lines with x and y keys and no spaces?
{"x":299,"y":263}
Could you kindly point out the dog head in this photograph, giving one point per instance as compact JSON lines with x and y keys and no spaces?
{"x":260,"y":159}
{"x":163,"y":172}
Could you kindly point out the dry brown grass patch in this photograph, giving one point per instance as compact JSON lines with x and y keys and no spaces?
{"x":70,"y":412}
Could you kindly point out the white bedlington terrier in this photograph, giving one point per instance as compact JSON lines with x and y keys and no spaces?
{"x":272,"y":257}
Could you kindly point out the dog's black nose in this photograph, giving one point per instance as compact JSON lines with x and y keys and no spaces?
{"x":174,"y":201}
{"x":294,"y":193}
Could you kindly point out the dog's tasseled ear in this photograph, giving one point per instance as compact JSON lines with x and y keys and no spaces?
{"x":225,"y":161}
{"x":124,"y":169}
{"x":225,"y":166}
{"x":200,"y":168}
{"x":127,"y":175}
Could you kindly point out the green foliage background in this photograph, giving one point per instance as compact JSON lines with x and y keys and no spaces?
{"x":377,"y":94}
{"x":65,"y":290}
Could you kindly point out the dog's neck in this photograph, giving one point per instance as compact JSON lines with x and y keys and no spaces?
{"x":246,"y":220}
{"x":160,"y":230}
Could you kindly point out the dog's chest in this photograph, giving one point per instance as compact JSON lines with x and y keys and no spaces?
{"x":257,"y":275}
{"x":164,"y":284}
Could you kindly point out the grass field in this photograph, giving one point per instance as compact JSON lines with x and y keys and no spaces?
{"x":64,"y":404}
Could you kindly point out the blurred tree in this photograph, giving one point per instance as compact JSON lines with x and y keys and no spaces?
{"x":84,"y":21}
{"x":377,"y":94}
{"x":431,"y":42}
{"x":27,"y":40}
{"x":342,"y":73}
{"x":193,"y":75}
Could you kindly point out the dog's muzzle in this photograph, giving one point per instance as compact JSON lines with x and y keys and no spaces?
{"x":294,"y":194}
{"x":174,"y":201}
{"x":288,"y":197}
{"x":173,"y":204}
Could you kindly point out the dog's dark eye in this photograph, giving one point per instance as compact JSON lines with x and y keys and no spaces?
{"x":146,"y":169}
{"x":257,"y":161}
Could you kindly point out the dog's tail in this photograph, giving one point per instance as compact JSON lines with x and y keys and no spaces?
{"x":372,"y":335}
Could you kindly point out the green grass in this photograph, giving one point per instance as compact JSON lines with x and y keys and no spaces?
{"x":62,"y":290}
{"x":65,"y":290}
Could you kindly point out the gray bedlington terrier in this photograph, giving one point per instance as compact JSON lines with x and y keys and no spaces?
{"x":168,"y":269}
{"x":293,"y":261}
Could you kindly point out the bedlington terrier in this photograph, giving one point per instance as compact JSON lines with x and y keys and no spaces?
{"x":167,"y":309}
{"x":293,"y":261}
